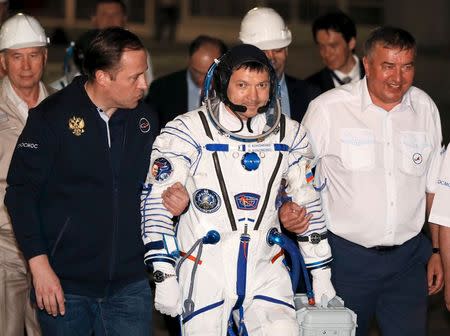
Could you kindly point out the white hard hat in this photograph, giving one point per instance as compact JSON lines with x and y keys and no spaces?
{"x":22,"y":31}
{"x":265,"y":29}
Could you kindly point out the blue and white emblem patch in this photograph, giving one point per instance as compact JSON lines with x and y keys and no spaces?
{"x":417,"y":158}
{"x":247,"y":201}
{"x":206,"y":200}
{"x":161,"y":169}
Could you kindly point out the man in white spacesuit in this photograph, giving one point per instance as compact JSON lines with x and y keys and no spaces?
{"x":231,"y":155}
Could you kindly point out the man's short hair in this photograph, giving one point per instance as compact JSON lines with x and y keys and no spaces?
{"x":335,"y":21}
{"x":119,"y":2}
{"x":105,"y":51}
{"x":390,"y":37}
{"x":202,"y":40}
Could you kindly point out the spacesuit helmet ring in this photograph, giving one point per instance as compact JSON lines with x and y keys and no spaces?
{"x":219,"y":74}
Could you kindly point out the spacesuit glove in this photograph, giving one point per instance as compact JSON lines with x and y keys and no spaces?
{"x":168,"y":291}
{"x":322,"y":286}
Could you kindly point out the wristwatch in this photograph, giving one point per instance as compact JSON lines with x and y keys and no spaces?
{"x":159,"y":276}
{"x":313,"y":238}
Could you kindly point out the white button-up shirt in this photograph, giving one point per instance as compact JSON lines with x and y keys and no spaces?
{"x":377,"y":165}
{"x":440,"y":212}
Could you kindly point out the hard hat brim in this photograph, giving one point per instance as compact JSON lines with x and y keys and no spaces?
{"x":274,"y":44}
{"x":27,"y":45}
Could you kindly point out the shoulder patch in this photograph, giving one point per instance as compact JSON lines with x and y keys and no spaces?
{"x":161,"y":169}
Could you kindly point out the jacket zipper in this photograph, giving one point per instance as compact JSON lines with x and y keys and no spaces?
{"x":115,"y":206}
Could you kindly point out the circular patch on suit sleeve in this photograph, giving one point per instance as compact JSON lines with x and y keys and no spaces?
{"x":206,"y":200}
{"x":161,"y":169}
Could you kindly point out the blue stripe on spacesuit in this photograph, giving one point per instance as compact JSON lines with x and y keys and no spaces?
{"x":161,"y":258}
{"x":294,"y":146}
{"x":273,"y":300}
{"x":195,"y":145}
{"x":311,"y":203}
{"x":157,"y":226}
{"x":242,"y":329}
{"x":241,"y":281}
{"x":281,"y":147}
{"x":296,"y":161}
{"x":192,"y":142}
{"x":160,"y":215}
{"x":152,"y":220}
{"x":319,"y":264}
{"x":241,"y":270}
{"x":155,"y":245}
{"x":217,"y":147}
{"x":293,"y":139}
{"x":226,"y":147}
{"x":202,"y":310}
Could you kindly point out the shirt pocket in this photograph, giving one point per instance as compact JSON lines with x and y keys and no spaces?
{"x":357,"y":148}
{"x":415,"y":150}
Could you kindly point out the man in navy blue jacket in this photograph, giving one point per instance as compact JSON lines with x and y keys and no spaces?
{"x":73,"y":195}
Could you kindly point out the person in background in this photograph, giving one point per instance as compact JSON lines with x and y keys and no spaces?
{"x":23,"y":55}
{"x":3,"y":16}
{"x":187,"y":83}
{"x":264,"y":28}
{"x":335,"y":36}
{"x":107,"y":13}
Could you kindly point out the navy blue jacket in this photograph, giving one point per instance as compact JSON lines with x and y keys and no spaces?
{"x":74,"y":198}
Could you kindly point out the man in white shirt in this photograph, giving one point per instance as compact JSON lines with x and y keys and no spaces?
{"x":377,"y":142}
{"x":23,"y":56}
{"x":440,"y":215}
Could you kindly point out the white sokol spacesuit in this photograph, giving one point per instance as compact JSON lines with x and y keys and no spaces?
{"x":228,"y":269}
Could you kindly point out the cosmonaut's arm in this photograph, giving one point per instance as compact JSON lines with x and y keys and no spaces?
{"x":175,"y":153}
{"x":313,"y":242}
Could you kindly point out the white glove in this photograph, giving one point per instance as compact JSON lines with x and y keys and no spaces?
{"x":322,"y":286}
{"x":167,"y":292}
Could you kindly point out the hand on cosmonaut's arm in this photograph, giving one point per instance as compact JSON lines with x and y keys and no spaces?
{"x":293,"y":217}
{"x":175,"y":199}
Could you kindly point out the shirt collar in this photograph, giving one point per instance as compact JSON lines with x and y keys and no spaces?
{"x":354,"y":73}
{"x":366,"y":100}
{"x":19,"y":102}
